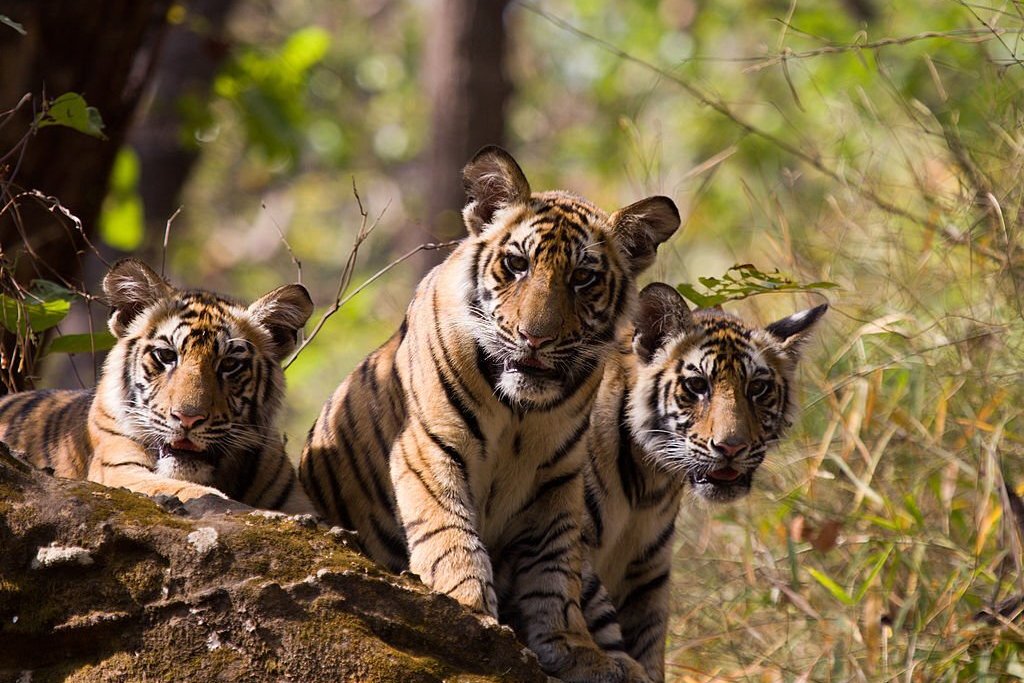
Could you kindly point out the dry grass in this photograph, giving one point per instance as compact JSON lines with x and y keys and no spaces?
{"x":879,"y":530}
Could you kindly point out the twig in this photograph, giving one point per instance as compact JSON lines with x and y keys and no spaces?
{"x":973,"y":35}
{"x":723,"y":109}
{"x":347,"y":271}
{"x":9,"y":114}
{"x":997,"y":34}
{"x":52,"y":203}
{"x":427,"y":246}
{"x":55,"y":205}
{"x":284,"y":241}
{"x":167,"y":236}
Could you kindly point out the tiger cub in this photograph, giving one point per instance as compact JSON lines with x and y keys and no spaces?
{"x":697,"y":401}
{"x":187,"y":401}
{"x":456,"y":448}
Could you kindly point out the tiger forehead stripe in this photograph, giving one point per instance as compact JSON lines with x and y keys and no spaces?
{"x":200,"y":321}
{"x":580,"y":211}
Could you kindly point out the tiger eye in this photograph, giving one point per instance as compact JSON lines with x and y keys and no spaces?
{"x":515,"y":264}
{"x":582,"y":277}
{"x":164,"y":355}
{"x":698,"y":386}
{"x":757,"y":387}
{"x":229,"y":365}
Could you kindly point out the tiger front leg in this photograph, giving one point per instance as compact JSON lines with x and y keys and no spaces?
{"x":545,"y":565}
{"x":434,"y":503}
{"x":643,"y":613}
{"x":119,"y":462}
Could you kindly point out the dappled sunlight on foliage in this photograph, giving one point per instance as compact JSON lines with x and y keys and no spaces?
{"x":880,"y":156}
{"x":874,"y":146}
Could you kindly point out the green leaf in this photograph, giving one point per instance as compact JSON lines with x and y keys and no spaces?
{"x":837,"y":591}
{"x":862,"y":591}
{"x":911,"y":506}
{"x":122,"y":221}
{"x":20,"y":316}
{"x":7,"y":21}
{"x":268,"y":89}
{"x":82,"y":343}
{"x":44,"y":306}
{"x":744,"y":280}
{"x":305,"y":48}
{"x":72,"y":111}
{"x":45,"y":290}
{"x":884,"y":522}
{"x":700,"y":300}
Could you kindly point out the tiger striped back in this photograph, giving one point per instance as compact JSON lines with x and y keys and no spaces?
{"x":696,"y":401}
{"x":456,"y":448}
{"x":187,"y":402}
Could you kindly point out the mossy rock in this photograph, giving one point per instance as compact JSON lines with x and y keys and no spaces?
{"x":105,"y":585}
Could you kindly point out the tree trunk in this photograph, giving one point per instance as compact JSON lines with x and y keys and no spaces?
{"x":103,"y":50}
{"x":469,"y":90}
{"x":192,"y":54}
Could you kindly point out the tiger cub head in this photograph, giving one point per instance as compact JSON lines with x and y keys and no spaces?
{"x":712,"y":393}
{"x":551,"y":277}
{"x":195,"y":376}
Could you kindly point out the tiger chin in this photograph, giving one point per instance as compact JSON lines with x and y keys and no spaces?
{"x":187,"y":402}
{"x":456,"y":448}
{"x":693,"y":404}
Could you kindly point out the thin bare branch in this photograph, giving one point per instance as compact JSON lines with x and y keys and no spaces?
{"x":428,"y":246}
{"x":167,"y":236}
{"x":347,"y":272}
{"x":810,"y":158}
{"x":284,"y":241}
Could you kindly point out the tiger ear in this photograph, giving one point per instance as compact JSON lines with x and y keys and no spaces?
{"x":130,"y":288}
{"x":642,"y":226}
{"x":793,"y":331}
{"x":493,"y":181}
{"x":662,"y":313}
{"x":283,"y":312}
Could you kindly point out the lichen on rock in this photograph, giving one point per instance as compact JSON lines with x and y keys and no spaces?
{"x":123,"y":590}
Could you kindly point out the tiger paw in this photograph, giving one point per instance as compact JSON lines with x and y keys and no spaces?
{"x":486,"y":620}
{"x":192,"y":491}
{"x":587,"y":664}
{"x":634,"y":672}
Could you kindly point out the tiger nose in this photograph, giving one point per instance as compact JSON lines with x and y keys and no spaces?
{"x":188,"y":419}
{"x":532,"y":340}
{"x":730,"y":447}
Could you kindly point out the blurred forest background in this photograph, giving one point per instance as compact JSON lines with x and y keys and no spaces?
{"x":871,"y":144}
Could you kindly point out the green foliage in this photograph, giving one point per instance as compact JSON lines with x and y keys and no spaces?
{"x":839,"y":149}
{"x":72,"y":111}
{"x":122,"y":222}
{"x":742,"y":281}
{"x":268,"y":90}
{"x":82,"y":343}
{"x":44,"y":306}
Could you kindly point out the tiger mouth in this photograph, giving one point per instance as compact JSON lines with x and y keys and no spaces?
{"x":184,"y":449}
{"x":723,"y":478}
{"x":531,"y":367}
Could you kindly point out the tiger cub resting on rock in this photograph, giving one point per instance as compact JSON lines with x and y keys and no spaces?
{"x":456,"y":449}
{"x":187,"y":402}
{"x":696,"y":402}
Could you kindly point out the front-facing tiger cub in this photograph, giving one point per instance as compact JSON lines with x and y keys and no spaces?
{"x":696,"y":402}
{"x":187,"y":402}
{"x":456,"y":449}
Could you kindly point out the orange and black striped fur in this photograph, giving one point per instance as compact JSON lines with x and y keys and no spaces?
{"x":187,"y":402}
{"x":696,"y":402}
{"x":456,"y":449}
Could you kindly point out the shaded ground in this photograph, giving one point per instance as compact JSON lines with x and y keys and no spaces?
{"x":102,"y":584}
